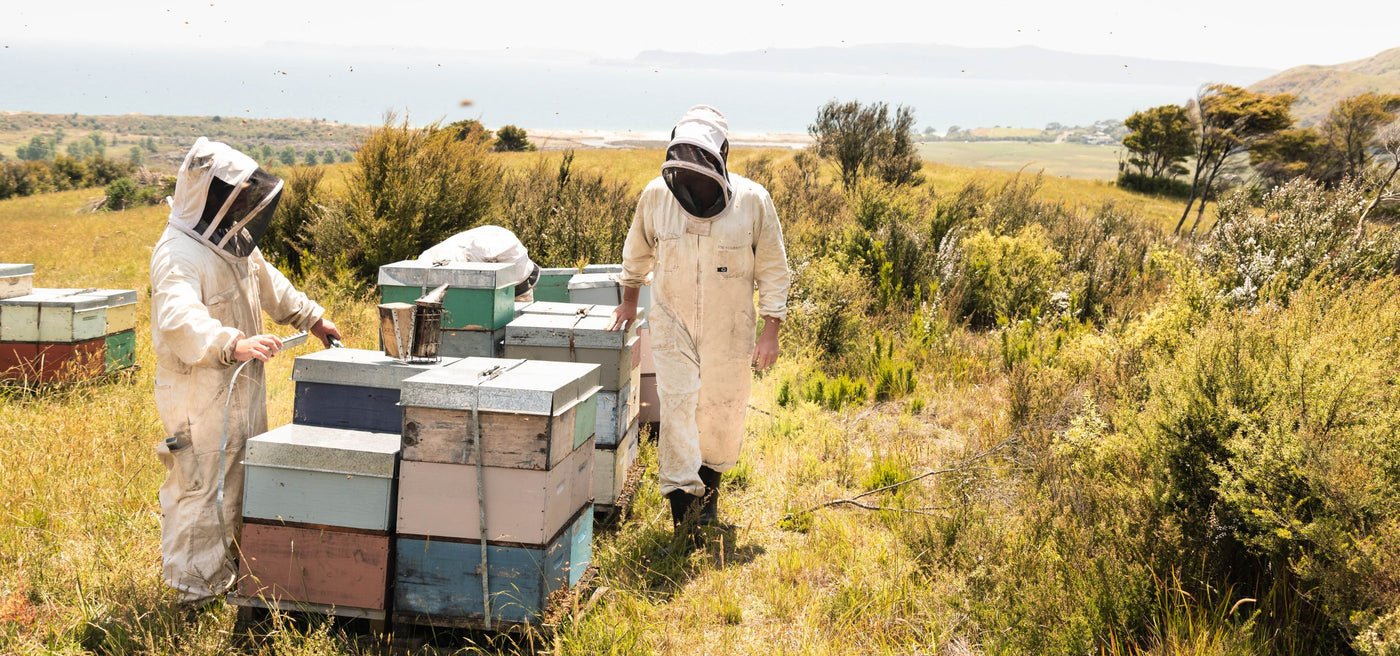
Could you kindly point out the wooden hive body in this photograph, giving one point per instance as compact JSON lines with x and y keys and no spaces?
{"x":121,"y":309}
{"x":121,"y":350}
{"x":522,"y":505}
{"x":553,"y":285}
{"x":321,"y":476}
{"x":598,"y":285}
{"x":53,"y":316}
{"x":45,"y":363}
{"x":437,"y":579}
{"x":352,"y":388}
{"x":617,"y":411}
{"x":472,"y":343}
{"x":18,"y":280}
{"x":573,"y":338}
{"x":480,"y":295}
{"x":610,"y":467}
{"x":649,"y":406}
{"x":316,"y":566}
{"x":532,"y":414}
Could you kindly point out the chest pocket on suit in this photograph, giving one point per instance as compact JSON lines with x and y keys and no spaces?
{"x":734,"y":260}
{"x":668,"y":251}
{"x":223,"y":306}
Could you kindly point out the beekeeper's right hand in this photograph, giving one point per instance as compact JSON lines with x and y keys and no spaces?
{"x":261,"y":347}
{"x":626,"y":313}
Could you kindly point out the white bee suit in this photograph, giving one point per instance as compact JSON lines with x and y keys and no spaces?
{"x":703,"y":316}
{"x":204,"y":298}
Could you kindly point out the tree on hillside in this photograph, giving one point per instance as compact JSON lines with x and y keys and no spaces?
{"x":288,"y":156}
{"x":311,"y":158}
{"x":1228,"y":120}
{"x":1288,"y":154}
{"x":512,"y":139}
{"x":469,"y":130}
{"x":1159,"y":141}
{"x":867,"y":140}
{"x":39,"y":148}
{"x":1351,"y":126}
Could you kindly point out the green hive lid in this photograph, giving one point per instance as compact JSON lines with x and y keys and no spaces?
{"x":317,"y":448}
{"x":558,"y":271}
{"x":565,"y":330}
{"x":358,"y":367}
{"x":461,"y":275}
{"x":7,"y":270}
{"x":530,"y":387}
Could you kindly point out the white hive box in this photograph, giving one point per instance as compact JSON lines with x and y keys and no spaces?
{"x":53,"y":316}
{"x":604,"y":289}
{"x":576,"y":338}
{"x":321,"y":476}
{"x":17,"y":280}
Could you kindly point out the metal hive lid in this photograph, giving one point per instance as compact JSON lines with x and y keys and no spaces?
{"x":566,"y":330}
{"x":332,"y":450}
{"x":76,"y":299}
{"x":16,"y":270}
{"x":358,"y":367}
{"x":461,"y":275}
{"x":523,"y":387}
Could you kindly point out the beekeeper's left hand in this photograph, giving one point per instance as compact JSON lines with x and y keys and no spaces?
{"x":324,"y":330}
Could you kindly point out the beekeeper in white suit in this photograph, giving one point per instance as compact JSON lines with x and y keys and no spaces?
{"x":489,"y":243}
{"x":209,"y":288}
{"x":709,"y":237}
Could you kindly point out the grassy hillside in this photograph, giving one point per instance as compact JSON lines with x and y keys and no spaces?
{"x":1055,"y":159}
{"x":1320,"y":87}
{"x":1008,"y":376}
{"x":173,"y":134}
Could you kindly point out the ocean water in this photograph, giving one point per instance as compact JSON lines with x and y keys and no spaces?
{"x":531,"y":93}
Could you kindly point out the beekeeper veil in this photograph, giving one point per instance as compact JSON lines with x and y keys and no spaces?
{"x":223,"y":198}
{"x":696,"y":169}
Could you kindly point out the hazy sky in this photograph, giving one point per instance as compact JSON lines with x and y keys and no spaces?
{"x":1276,"y":34}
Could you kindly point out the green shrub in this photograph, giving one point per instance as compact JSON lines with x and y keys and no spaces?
{"x":121,"y":194}
{"x":834,"y":393}
{"x":1278,"y":431}
{"x":300,"y":205}
{"x":1000,"y":278}
{"x":410,"y":189}
{"x":564,"y":215}
{"x":1146,"y":184}
{"x":827,"y":301}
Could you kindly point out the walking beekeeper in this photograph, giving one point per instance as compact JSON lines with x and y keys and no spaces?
{"x":489,"y":243}
{"x":709,"y":237}
{"x":209,"y":288}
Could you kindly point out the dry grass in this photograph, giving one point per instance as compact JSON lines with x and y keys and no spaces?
{"x":79,"y":520}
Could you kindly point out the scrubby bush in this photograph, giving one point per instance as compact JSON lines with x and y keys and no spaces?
{"x":301,"y":204}
{"x":1278,"y":433}
{"x":1302,"y":230}
{"x":410,"y":189}
{"x":1000,"y":278}
{"x":564,"y":215}
{"x":828,"y":299}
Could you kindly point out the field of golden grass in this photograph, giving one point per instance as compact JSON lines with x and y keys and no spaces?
{"x":79,"y":519}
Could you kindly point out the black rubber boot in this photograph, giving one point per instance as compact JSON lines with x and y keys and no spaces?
{"x":709,"y":512}
{"x":685,"y":512}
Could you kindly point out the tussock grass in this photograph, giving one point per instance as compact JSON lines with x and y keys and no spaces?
{"x":1024,"y":552}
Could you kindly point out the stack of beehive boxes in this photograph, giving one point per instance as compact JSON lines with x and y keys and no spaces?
{"x":564,"y":332}
{"x":510,"y":442}
{"x":62,"y":334}
{"x":320,"y":493}
{"x":598,"y":285}
{"x":480,"y":301}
